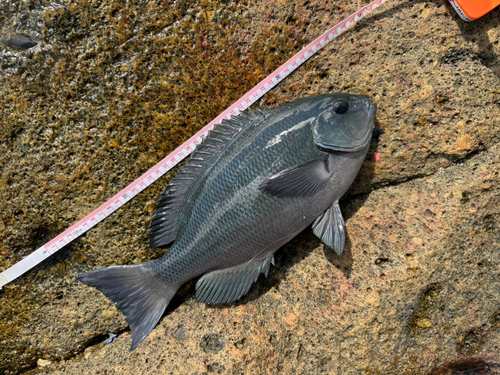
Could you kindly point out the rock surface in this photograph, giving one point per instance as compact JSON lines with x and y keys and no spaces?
{"x":110,"y":88}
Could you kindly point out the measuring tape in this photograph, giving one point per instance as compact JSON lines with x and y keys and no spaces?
{"x":182,"y":151}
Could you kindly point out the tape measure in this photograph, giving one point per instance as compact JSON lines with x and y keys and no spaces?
{"x":470,"y":10}
{"x":182,"y":151}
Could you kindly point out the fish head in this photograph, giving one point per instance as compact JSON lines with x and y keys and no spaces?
{"x":345,"y":122}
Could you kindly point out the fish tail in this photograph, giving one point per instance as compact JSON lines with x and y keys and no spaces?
{"x":136,"y":290}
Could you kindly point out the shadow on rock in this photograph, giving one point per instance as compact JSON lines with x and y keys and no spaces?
{"x":303,"y":245}
{"x":286,"y":257}
{"x":476,"y":33}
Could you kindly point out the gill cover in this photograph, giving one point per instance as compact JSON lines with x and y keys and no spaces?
{"x":346,"y":124}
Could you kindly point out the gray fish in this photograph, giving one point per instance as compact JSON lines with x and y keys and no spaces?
{"x":21,"y":41}
{"x":255,"y":183}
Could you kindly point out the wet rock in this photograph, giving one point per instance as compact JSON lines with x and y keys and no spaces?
{"x":469,"y":365}
{"x":212,"y":343}
{"x":430,"y":301}
{"x":114,"y":88}
{"x":470,"y":342}
{"x":495,"y":320}
{"x":431,"y":310}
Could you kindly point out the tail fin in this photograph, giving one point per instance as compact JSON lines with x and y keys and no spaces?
{"x":135,"y":290}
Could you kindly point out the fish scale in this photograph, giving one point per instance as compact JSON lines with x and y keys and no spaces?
{"x":252,"y":185}
{"x":220,"y":188}
{"x":168,"y":162}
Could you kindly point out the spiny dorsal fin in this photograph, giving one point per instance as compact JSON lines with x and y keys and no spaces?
{"x":170,"y":206}
{"x":230,"y":284}
{"x":330,"y":228}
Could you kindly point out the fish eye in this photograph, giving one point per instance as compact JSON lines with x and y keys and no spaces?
{"x":340,"y":107}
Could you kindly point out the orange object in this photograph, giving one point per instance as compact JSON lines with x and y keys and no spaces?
{"x":471,"y":10}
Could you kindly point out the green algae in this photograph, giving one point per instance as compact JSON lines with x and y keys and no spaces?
{"x":429,"y":301}
{"x":494,"y":320}
{"x":471,"y":341}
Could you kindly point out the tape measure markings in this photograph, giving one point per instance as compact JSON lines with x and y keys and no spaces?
{"x":182,"y":151}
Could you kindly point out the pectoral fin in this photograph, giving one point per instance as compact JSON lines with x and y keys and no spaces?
{"x":330,"y":228}
{"x":303,"y":180}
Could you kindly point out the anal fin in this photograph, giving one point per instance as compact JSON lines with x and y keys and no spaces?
{"x":330,"y":228}
{"x":230,"y":284}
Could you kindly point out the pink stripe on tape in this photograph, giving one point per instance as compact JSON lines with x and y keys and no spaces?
{"x":182,"y":151}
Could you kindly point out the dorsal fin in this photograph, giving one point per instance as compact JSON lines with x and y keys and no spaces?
{"x":170,"y":206}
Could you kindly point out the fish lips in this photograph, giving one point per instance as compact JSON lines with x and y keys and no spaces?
{"x":346,"y":139}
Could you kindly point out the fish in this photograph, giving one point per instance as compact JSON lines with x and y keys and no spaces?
{"x":254,"y":183}
{"x":21,"y":41}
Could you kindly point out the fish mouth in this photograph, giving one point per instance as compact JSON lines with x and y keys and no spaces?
{"x":372,"y":110}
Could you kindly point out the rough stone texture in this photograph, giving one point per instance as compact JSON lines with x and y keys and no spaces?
{"x":417,"y":286}
{"x":112,"y":87}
